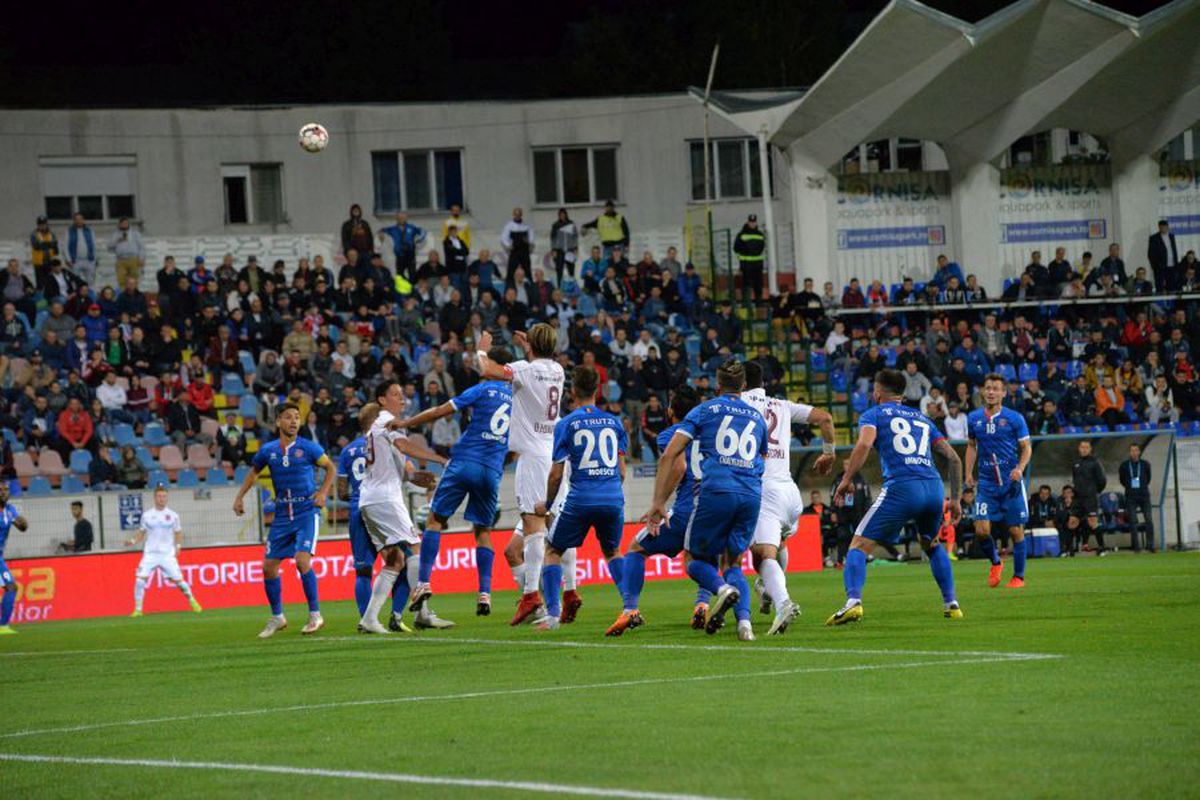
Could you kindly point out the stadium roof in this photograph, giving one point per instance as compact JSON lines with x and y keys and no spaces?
{"x":919,"y":73}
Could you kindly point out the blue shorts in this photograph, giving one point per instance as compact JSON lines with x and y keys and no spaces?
{"x":5,"y":576}
{"x":480,"y":485}
{"x":900,"y":503}
{"x":669,"y":541}
{"x":572,"y":524}
{"x":1007,"y":503}
{"x":297,"y":535}
{"x":361,"y":545}
{"x":722,"y":522}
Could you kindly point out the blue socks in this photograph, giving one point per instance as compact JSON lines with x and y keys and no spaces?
{"x":430,"y":543}
{"x":703,"y":596}
{"x":552,"y":578}
{"x":939,"y":563}
{"x":7,"y":605}
{"x":854,"y":573}
{"x":400,"y":590}
{"x":635,"y":579}
{"x":1019,"y":559}
{"x":274,"y":589}
{"x":989,"y":549}
{"x":616,"y":568}
{"x":737,"y":579}
{"x":362,"y":592}
{"x":484,"y":558}
{"x":706,"y":575}
{"x":309,"y":581}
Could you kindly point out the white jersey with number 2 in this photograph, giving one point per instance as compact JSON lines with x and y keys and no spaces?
{"x":780,"y":415}
{"x":537,"y":395}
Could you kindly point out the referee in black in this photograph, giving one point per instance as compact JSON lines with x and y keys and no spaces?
{"x":1135,"y":477}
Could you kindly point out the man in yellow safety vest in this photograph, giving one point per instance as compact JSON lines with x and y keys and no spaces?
{"x":612,"y":227}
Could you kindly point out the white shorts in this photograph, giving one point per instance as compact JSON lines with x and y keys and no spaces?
{"x":388,"y":524}
{"x":168,"y":564}
{"x":533,"y":472}
{"x":779,"y":514}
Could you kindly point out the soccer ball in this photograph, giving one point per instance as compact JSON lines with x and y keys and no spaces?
{"x":313,"y":137}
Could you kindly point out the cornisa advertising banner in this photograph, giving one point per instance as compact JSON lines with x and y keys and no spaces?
{"x":1042,"y":208}
{"x":101,"y":585}
{"x":892,"y":224}
{"x":1179,"y":203}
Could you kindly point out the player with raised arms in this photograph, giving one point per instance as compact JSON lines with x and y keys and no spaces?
{"x":384,"y":513}
{"x":297,"y":523}
{"x":998,"y":441}
{"x":161,"y":530}
{"x":537,"y":394}
{"x":594,"y":442}
{"x":912,"y":491}
{"x":733,"y":437}
{"x":476,"y":466}
{"x":10,"y":518}
{"x":781,"y":501}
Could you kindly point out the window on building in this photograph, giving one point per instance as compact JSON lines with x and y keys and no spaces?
{"x":733,"y":169}
{"x":99,"y":187}
{"x":1031,"y":151}
{"x":417,"y":180}
{"x":253,"y":194}
{"x":909,"y":154}
{"x":585,"y":175}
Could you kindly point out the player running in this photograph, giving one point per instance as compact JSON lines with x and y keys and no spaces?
{"x":10,"y":518}
{"x":163,"y":534}
{"x":998,"y":440}
{"x":384,"y":514}
{"x":476,"y":465}
{"x":297,"y":522}
{"x":781,"y":501}
{"x":594,"y":442}
{"x":912,"y":490}
{"x":537,"y":392}
{"x":732,"y":436}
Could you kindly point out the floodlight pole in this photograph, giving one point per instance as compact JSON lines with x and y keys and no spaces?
{"x":712,"y":254}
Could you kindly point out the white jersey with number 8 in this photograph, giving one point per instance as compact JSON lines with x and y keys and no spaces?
{"x":537,"y":397}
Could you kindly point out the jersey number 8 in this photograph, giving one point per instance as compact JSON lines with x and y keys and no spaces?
{"x":730,"y":443}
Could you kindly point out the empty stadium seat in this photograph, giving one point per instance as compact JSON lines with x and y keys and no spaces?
{"x":155,"y":435}
{"x":210,"y":426}
{"x":156,"y":477}
{"x":39,"y":486}
{"x":248,"y":406}
{"x":73,"y":485}
{"x":124,"y":436}
{"x":216,"y":477}
{"x":51,"y":466}
{"x":146,"y":457}
{"x":240,"y":473}
{"x":80,"y":461}
{"x":817,"y":360}
{"x":24,"y":467}
{"x":171,"y":460}
{"x":1027,"y":372}
{"x":1074,"y":369}
{"x":198,"y":458}
{"x":1006,"y":371}
{"x":231,"y":385}
{"x":188,"y":479}
{"x":246,"y":358}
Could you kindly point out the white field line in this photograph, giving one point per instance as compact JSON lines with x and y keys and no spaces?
{"x":30,"y":653}
{"x":387,"y":777}
{"x":383,"y":701}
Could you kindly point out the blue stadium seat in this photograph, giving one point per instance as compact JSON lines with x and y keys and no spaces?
{"x":1006,"y":371}
{"x":1070,"y":429}
{"x":1095,"y":429}
{"x":614,"y":391}
{"x":14,"y":488}
{"x":860,"y":402}
{"x":817,"y":360}
{"x":232,"y":385}
{"x":1074,"y":369}
{"x":155,"y":435}
{"x":894,"y":290}
{"x":124,"y":436}
{"x":1126,"y":427}
{"x":240,"y":473}
{"x":39,"y":486}
{"x":247,"y":361}
{"x":1027,"y":372}
{"x":837,"y":380}
{"x":147,"y":458}
{"x":72,"y":485}
{"x":188,"y":479}
{"x":157,"y":476}
{"x":1008,"y":282}
{"x":216,"y":477}
{"x":80,"y":461}
{"x":248,"y":406}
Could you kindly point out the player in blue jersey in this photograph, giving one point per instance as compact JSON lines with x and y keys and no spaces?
{"x":476,"y":465}
{"x":297,"y":523}
{"x":594,"y":442}
{"x":9,"y":518}
{"x":912,"y":491}
{"x":733,"y":439}
{"x":998,"y":441}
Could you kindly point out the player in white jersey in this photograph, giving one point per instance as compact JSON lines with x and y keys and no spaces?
{"x":381,"y":503}
{"x":163,"y":534}
{"x":781,"y":501}
{"x":537,"y":397}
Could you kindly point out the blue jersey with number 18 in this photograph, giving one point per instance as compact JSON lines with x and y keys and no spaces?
{"x":591,"y":440}
{"x":904,"y":438}
{"x":733,"y":438}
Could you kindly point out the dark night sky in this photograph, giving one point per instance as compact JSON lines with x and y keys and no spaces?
{"x":267,"y":51}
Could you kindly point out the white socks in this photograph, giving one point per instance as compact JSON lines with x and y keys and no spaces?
{"x":535,"y":554}
{"x":139,"y":593}
{"x":772,"y":575}
{"x":568,"y":568}
{"x":518,"y":573}
{"x":380,"y":593}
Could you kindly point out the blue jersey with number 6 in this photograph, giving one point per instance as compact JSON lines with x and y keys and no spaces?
{"x":592,"y":441}
{"x":733,"y":437}
{"x":904,"y":438}
{"x":485,"y":441}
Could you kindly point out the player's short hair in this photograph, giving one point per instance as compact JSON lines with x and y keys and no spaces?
{"x":367,"y":415}
{"x":543,"y":339}
{"x":892,"y":381}
{"x":289,"y":406}
{"x":500,"y":355}
{"x":584,"y":381}
{"x":994,"y":376}
{"x":76,"y":504}
{"x":754,"y":375}
{"x":383,"y":388}
{"x":684,"y":399}
{"x":731,"y":375}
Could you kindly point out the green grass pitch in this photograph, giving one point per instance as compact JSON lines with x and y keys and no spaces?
{"x":1085,"y":684}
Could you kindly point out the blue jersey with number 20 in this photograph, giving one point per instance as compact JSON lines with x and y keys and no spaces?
{"x":904,"y":438}
{"x":733,"y":437}
{"x":592,"y":441}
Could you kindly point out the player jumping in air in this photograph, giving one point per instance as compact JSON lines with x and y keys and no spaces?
{"x":537,"y":394}
{"x":781,"y":501}
{"x":594,"y":442}
{"x":9,"y":518}
{"x":163,"y":535}
{"x":476,"y":465}
{"x":297,"y":523}
{"x":998,"y":441}
{"x":732,"y":436}
{"x":912,"y":490}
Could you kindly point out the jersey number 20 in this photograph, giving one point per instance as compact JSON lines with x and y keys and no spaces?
{"x":588,"y":440}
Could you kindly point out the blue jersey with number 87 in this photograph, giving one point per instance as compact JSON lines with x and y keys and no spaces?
{"x":733,"y":438}
{"x":904,"y":438}
{"x":592,"y":441}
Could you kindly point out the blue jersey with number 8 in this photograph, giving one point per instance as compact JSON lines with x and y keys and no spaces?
{"x":904,"y":438}
{"x":733,"y":438}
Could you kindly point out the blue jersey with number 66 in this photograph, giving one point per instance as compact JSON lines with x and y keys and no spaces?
{"x":733,"y":438}
{"x":904,"y":438}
